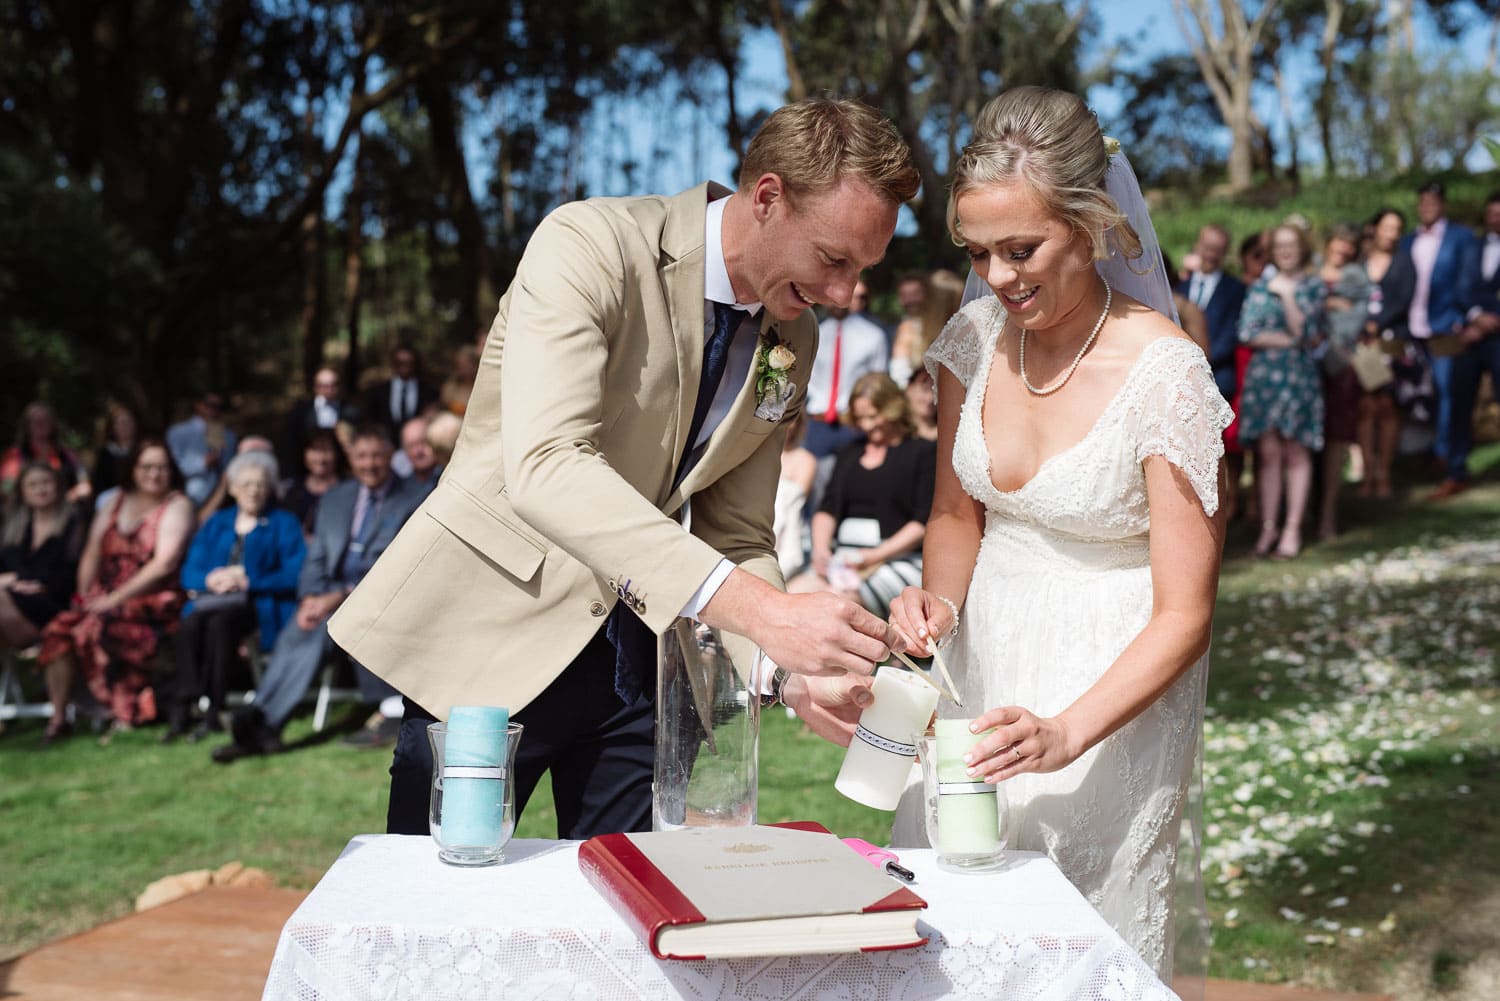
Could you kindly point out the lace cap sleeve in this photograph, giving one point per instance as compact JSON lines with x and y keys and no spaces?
{"x":1182,"y":417}
{"x":959,"y":347}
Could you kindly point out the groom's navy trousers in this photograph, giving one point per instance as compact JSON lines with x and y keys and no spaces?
{"x":600,"y":751}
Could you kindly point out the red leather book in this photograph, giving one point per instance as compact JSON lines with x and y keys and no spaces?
{"x":725,"y":892}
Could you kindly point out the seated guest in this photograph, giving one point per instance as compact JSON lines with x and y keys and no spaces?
{"x":127,"y":596}
{"x":921,"y":397}
{"x":442,"y":436}
{"x":200,"y":446}
{"x":240,"y":573}
{"x":325,"y":410}
{"x":356,"y":520}
{"x":421,"y":460}
{"x":394,"y":401}
{"x":219,"y":499}
{"x":454,"y":394}
{"x":798,"y":470}
{"x":38,"y":557}
{"x":118,"y":432}
{"x":323,"y":460}
{"x":867,"y":534}
{"x":37,"y":440}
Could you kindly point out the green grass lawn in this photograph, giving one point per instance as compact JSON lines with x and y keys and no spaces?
{"x":1352,"y":762}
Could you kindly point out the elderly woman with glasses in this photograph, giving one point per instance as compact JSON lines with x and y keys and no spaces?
{"x":241,"y":574}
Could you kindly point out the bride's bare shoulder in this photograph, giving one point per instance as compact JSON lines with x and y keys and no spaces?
{"x":1139,"y":326}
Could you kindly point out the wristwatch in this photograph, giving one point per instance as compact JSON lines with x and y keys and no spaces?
{"x":773,"y":697}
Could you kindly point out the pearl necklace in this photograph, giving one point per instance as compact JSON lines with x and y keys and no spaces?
{"x":1098,"y":326}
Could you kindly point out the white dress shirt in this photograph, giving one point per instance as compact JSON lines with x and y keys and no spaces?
{"x":718,"y":288}
{"x":1424,"y":252}
{"x":1490,"y":259}
{"x":403,"y":402}
{"x":1202,"y":287}
{"x":861,"y":347}
{"x":326,"y":414}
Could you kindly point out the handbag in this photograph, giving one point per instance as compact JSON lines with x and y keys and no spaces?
{"x":1372,"y":367}
{"x":227,"y":601}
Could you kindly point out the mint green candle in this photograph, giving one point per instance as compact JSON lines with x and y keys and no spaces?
{"x":968,"y":819}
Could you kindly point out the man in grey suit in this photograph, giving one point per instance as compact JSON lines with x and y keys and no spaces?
{"x":356,"y":520}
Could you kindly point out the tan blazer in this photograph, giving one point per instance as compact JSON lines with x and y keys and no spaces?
{"x":561,"y":482}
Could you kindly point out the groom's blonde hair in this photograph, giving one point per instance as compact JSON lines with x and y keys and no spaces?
{"x":814,"y":144}
{"x":1050,"y":140}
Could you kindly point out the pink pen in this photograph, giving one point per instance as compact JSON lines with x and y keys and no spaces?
{"x":883,"y":859}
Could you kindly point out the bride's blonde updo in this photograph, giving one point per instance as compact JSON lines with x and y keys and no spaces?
{"x":1050,"y":140}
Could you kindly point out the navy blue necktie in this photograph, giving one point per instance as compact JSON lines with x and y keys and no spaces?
{"x":635,"y":645}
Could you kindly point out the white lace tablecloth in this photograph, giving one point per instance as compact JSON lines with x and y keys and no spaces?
{"x":389,"y":921}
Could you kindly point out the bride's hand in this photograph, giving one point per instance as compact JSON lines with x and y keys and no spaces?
{"x":918,"y":615}
{"x":1022,"y":742}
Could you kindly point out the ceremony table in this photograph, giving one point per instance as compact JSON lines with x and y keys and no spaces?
{"x":390,"y":921}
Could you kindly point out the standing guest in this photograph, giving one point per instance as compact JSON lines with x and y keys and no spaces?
{"x":1393,"y":278}
{"x":1435,"y":319}
{"x":37,"y":440}
{"x":201,"y":445}
{"x":1255,"y":256}
{"x":356,"y":522}
{"x":1281,"y":406}
{"x":1481,"y":297}
{"x":455,"y":391}
{"x":394,"y":401}
{"x":1345,"y":310}
{"x":39,"y":551}
{"x":944,"y":292}
{"x":911,"y":293}
{"x":1075,"y":524}
{"x":1220,"y":296}
{"x":867,"y":534}
{"x":921,"y":398}
{"x":849,"y":346}
{"x":626,"y":377}
{"x":127,"y":596}
{"x":325,"y":410}
{"x":323,"y":460}
{"x":240,"y":574}
{"x":799,"y":468}
{"x":118,"y":431}
{"x":1189,"y":317}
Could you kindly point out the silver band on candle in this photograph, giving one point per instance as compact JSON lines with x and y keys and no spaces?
{"x":473,"y":772}
{"x":885,"y":743}
{"x":965,"y":788}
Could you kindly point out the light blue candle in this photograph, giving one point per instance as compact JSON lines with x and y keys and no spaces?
{"x":474,"y":776}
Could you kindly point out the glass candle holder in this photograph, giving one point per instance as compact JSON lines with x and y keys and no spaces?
{"x":473,"y":805}
{"x":962,"y":814}
{"x":878,"y":763}
{"x":707,"y":729}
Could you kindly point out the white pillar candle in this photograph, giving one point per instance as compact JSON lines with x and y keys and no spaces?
{"x":880,"y":756}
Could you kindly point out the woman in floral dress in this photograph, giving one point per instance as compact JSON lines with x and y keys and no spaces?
{"x":1281,"y":404}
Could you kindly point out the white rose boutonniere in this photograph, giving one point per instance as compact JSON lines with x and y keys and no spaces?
{"x":774,"y":364}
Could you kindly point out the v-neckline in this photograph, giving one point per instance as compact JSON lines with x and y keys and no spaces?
{"x":983,"y":387}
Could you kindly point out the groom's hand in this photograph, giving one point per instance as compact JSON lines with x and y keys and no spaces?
{"x":814,"y":634}
{"x":829,"y":706}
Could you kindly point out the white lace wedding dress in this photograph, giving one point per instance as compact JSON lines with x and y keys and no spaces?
{"x":1061,"y":586}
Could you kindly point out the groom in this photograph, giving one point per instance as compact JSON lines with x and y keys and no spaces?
{"x":618,"y":465}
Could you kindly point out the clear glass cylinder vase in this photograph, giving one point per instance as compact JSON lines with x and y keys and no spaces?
{"x":707,"y":728}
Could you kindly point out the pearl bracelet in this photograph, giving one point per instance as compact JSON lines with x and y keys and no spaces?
{"x":945,"y":640}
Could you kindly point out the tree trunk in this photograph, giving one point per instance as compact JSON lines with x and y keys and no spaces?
{"x":445,"y":131}
{"x":310,"y":322}
{"x":354,"y":223}
{"x":796,"y":89}
{"x":1333,"y":17}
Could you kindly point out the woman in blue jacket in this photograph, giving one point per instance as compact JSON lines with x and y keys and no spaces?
{"x":241,"y":573}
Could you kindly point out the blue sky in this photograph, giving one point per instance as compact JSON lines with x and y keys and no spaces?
{"x":687,"y":138}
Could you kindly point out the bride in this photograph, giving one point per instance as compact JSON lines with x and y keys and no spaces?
{"x":1074,"y":525}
